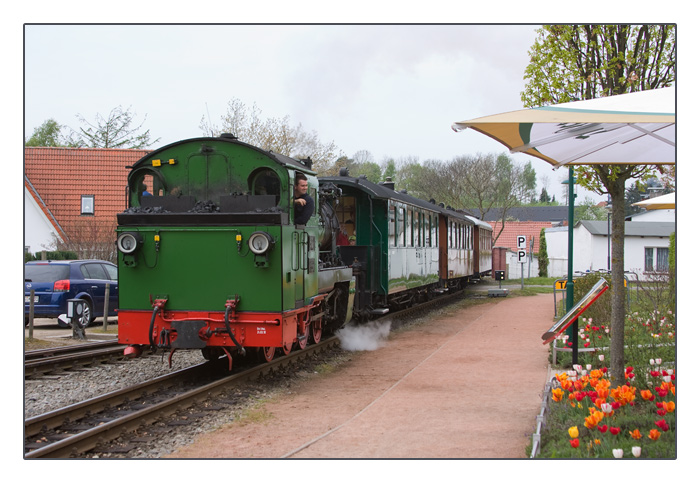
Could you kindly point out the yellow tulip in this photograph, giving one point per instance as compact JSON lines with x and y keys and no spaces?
{"x":573,"y":431}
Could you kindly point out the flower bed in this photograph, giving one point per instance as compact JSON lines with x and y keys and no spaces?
{"x":589,"y":417}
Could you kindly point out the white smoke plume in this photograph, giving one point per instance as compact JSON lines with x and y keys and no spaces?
{"x":367,"y":337}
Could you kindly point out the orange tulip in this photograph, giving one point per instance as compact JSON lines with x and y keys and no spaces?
{"x":669,"y":406}
{"x":654,"y":434}
{"x":623,"y":394}
{"x":636,"y":434}
{"x":557,"y":394}
{"x":647,"y":395}
{"x":593,"y":420}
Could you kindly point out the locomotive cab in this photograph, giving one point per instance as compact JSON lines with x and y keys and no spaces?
{"x":210,"y":255}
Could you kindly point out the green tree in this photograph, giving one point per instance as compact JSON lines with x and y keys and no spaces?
{"x":370,"y":169}
{"x":542,"y":256}
{"x":589,"y":210}
{"x":389,"y":169}
{"x":577,"y":62}
{"x":48,"y":134}
{"x":114,"y":132}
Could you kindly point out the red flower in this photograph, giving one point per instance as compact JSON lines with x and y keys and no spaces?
{"x":661,"y":412}
{"x":574,"y":443}
{"x":629,"y":369}
{"x":662,"y":424}
{"x":604,"y":428}
{"x":614,"y":430}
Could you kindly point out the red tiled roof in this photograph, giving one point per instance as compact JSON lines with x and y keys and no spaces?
{"x":61,"y":175}
{"x":530,"y":229}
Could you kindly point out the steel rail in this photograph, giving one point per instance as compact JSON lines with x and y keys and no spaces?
{"x":67,"y":349}
{"x":89,"y":439}
{"x":86,"y":354}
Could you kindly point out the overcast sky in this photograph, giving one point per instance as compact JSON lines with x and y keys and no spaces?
{"x":391,"y":90}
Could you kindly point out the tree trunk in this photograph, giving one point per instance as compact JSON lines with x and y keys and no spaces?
{"x":616,"y":188}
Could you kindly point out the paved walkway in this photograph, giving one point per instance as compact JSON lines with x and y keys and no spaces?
{"x":467,"y":384}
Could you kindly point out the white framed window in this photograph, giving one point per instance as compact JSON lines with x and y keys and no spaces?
{"x":656,"y":259}
{"x":87,"y":204}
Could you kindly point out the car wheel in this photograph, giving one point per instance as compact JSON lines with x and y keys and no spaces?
{"x":87,"y":317}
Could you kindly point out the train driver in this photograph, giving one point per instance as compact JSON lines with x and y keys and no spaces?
{"x":303,"y":203}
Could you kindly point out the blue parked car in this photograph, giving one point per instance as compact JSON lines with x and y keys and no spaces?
{"x":56,"y":281}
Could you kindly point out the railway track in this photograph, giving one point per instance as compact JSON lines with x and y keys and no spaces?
{"x":79,"y":428}
{"x":45,"y":361}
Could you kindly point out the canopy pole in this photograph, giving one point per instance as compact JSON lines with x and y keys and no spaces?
{"x":570,"y":279}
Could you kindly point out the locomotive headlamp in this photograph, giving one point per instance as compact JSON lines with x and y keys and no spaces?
{"x":260,"y":242}
{"x":128,"y":242}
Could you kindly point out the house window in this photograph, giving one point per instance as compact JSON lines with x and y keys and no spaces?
{"x":87,"y":205}
{"x":661,"y":259}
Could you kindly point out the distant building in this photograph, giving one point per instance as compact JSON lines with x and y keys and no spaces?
{"x":646,"y":247}
{"x":551,"y":214}
{"x":41,"y":229}
{"x":74,"y":193}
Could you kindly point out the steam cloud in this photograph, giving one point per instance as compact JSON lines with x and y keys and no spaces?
{"x":367,"y":337}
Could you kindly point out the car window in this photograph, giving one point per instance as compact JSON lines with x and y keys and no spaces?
{"x":45,"y":273}
{"x":111,"y":271}
{"x":93,"y":271}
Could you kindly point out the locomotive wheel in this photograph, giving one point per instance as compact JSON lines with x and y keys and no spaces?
{"x":316,"y":332}
{"x":304,"y":340}
{"x":267,"y":353}
{"x":287,"y":348}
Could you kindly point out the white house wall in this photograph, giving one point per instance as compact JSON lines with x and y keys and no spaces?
{"x":38,"y":231}
{"x":591,"y":251}
{"x":655,"y":215}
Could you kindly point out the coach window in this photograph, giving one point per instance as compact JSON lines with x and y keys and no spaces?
{"x":345,"y":211}
{"x":430,"y":230}
{"x":392,"y":225}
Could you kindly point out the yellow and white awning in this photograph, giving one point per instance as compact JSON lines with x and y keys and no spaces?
{"x":635,"y":128}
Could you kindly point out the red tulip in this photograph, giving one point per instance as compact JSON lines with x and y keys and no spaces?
{"x":662,"y":424}
{"x":574,"y":443}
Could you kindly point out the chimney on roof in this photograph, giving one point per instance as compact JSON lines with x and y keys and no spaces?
{"x":388,"y":183}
